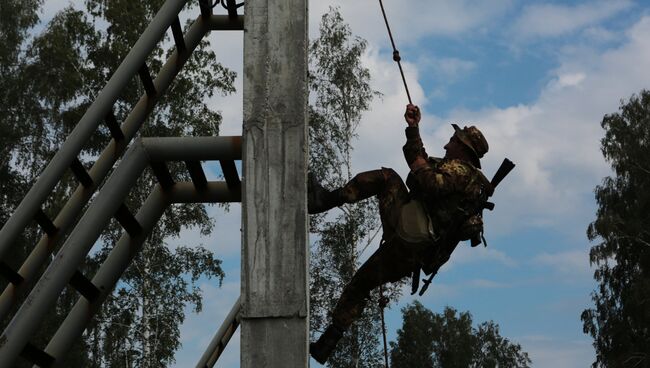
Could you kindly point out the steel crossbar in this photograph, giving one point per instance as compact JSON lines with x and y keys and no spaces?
{"x":222,"y":337}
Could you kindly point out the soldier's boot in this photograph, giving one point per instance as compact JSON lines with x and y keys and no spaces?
{"x":362,"y":186}
{"x":321,"y":349}
{"x":320,"y":199}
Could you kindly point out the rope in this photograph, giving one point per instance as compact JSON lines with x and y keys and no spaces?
{"x":383,"y":301}
{"x":396,"y":56}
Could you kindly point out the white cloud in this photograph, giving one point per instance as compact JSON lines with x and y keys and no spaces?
{"x":549,"y":20}
{"x":411,"y":20}
{"x":570,"y":265}
{"x":555,"y":140}
{"x":546,"y":351}
{"x":573,"y":305}
{"x":381,"y":128}
{"x":447,"y":69}
{"x":486,"y":284}
{"x":228,"y":48}
{"x":465,"y":254}
{"x":600,"y":34}
{"x":568,"y":80}
{"x":452,"y":67}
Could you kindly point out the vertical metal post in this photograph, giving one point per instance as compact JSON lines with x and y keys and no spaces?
{"x":275,"y":328}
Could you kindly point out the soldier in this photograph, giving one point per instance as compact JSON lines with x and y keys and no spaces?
{"x":422,"y":227}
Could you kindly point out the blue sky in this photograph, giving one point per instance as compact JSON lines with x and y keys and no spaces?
{"x":536,"y":77}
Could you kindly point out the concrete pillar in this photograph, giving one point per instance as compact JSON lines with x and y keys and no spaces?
{"x":275,"y":303}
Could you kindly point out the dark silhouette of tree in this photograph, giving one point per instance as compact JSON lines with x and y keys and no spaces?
{"x":414,"y":346}
{"x":448,"y":340}
{"x":619,"y":322}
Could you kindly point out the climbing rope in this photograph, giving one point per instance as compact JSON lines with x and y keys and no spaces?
{"x":396,"y":56}
{"x":383,"y":302}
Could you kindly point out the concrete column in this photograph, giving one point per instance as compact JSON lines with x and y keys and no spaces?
{"x":275,"y":303}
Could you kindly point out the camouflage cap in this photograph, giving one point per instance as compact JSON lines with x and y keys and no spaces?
{"x":474,"y":140}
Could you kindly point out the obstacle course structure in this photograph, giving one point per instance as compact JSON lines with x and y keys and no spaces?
{"x":273,"y":307}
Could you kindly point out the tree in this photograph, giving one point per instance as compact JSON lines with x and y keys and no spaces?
{"x":448,"y":340}
{"x":61,"y":70}
{"x":496,"y":351}
{"x":20,"y":114}
{"x":16,"y":19}
{"x":620,"y":318}
{"x":414,"y":346}
{"x":18,"y":111}
{"x":139,"y":324}
{"x":454,"y":341}
{"x":341,"y":90}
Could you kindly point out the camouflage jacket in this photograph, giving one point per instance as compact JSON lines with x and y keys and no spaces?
{"x":450,"y":189}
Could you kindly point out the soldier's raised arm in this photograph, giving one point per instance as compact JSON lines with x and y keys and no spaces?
{"x":445,"y":178}
{"x":414,"y":152}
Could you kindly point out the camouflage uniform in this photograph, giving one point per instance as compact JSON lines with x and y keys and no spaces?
{"x":449,"y":189}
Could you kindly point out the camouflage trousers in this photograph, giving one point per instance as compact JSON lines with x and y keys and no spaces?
{"x":394,"y":260}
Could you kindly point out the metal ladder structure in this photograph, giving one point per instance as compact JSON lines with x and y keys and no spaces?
{"x":273,"y":306}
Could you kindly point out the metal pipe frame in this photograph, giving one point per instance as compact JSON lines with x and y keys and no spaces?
{"x":88,"y":123}
{"x":193,"y":148}
{"x":225,"y":23}
{"x":222,"y":337}
{"x":65,"y":219}
{"x":73,"y":252}
{"x":125,"y":251}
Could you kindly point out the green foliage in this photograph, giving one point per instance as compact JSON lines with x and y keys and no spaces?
{"x":414,"y":346}
{"x":159,"y":284}
{"x":621,"y":316}
{"x":359,"y":347}
{"x":496,"y":351}
{"x":448,"y":340}
{"x":20,"y":114}
{"x":341,"y":90}
{"x":334,"y":260}
{"x":16,"y":19}
{"x":340,"y":85}
{"x":454,"y":341}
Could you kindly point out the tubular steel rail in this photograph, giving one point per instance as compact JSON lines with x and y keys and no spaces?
{"x":222,"y":337}
{"x":109,"y":202}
